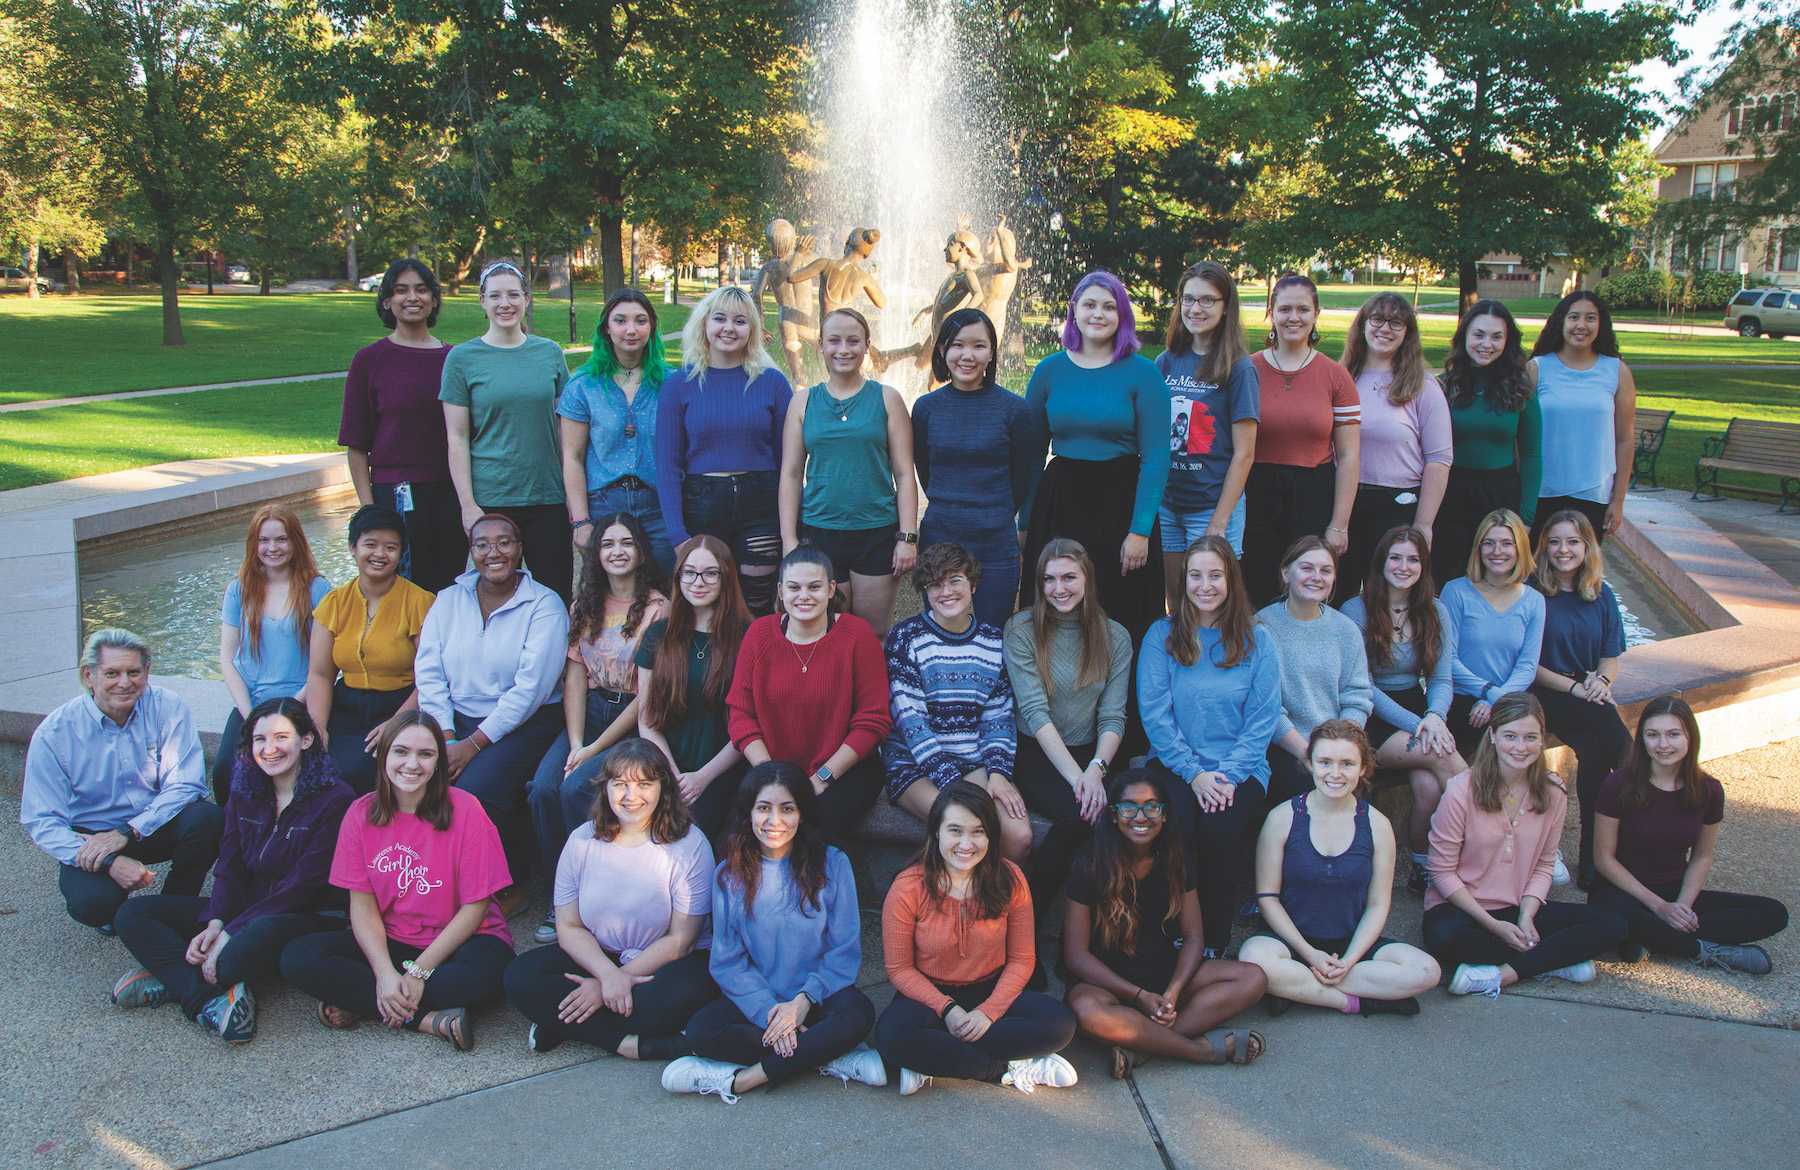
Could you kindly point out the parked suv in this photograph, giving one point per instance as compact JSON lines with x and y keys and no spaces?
{"x":1756,"y":311}
{"x":15,"y":278}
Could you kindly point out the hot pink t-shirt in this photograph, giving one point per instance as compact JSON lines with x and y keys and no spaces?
{"x":420,"y":876}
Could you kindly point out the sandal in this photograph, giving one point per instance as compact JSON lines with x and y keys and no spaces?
{"x":1124,"y":1060}
{"x":336,"y":1018}
{"x":454,"y":1025}
{"x":1235,"y":1045}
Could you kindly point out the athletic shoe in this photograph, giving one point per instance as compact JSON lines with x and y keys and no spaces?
{"x":546,"y":930}
{"x":696,"y":1074}
{"x":1559,"y":873}
{"x":1632,"y":951}
{"x":861,"y":1064}
{"x":1750,"y":959}
{"x":911,"y":1082}
{"x":1416,"y":879}
{"x":1476,"y":979}
{"x":1575,"y":973}
{"x":139,"y":989}
{"x":539,"y":1043}
{"x":232,"y":1015}
{"x":1051,"y":1071}
{"x":106,"y":930}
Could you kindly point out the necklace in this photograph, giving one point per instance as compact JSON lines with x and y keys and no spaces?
{"x":805,"y":663}
{"x":1287,"y":378}
{"x":840,"y":407}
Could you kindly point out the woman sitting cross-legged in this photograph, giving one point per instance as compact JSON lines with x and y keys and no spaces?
{"x":281,"y":823}
{"x":1133,"y":942}
{"x":1656,"y":830}
{"x":1325,"y":869}
{"x":787,"y":948}
{"x":956,"y":934}
{"x":951,"y":700}
{"x":633,"y":905}
{"x":1488,"y":916}
{"x":422,"y":862}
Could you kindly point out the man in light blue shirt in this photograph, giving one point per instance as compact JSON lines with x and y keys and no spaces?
{"x":115,"y":780}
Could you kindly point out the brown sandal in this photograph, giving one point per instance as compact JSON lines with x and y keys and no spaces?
{"x":336,"y":1018}
{"x":1235,"y":1045}
{"x":454,"y":1025}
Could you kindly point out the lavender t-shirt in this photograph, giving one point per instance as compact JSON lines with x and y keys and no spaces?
{"x":1398,"y":441}
{"x":626,"y":894}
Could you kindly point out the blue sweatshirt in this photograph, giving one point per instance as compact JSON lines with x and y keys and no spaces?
{"x":1209,"y":718}
{"x":787,"y":946}
{"x":1402,"y":671}
{"x":1496,"y":653}
{"x":726,"y":423}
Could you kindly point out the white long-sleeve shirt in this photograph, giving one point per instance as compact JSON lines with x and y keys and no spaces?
{"x":500,"y":670}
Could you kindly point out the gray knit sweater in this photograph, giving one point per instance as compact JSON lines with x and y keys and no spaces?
{"x":1081,"y":714}
{"x":1324,"y":670}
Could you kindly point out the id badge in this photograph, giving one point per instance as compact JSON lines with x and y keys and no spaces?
{"x":403,"y":501}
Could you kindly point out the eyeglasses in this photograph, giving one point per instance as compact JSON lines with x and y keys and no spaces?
{"x":497,"y":544}
{"x":689,"y":576}
{"x":954,"y":581}
{"x":1207,"y":303}
{"x":1131,"y":810}
{"x":1386,"y":325}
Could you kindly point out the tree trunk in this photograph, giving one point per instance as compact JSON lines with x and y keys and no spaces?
{"x":265,"y":281}
{"x":350,"y":272}
{"x":209,"y":274}
{"x":31,"y":270}
{"x":130,"y":257}
{"x":171,"y":289}
{"x":71,"y":271}
{"x":609,"y":213}
{"x":458,"y":274}
{"x":1467,"y":281}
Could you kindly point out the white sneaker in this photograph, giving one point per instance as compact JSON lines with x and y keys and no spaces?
{"x":1559,"y":873}
{"x":1052,"y":1071}
{"x":696,"y":1074}
{"x":1476,"y":979}
{"x":546,"y":930}
{"x":861,"y":1064}
{"x":911,"y":1082}
{"x":1574,"y":973}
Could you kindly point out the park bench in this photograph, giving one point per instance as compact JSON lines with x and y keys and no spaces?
{"x":1764,"y":448}
{"x":1652,"y":428}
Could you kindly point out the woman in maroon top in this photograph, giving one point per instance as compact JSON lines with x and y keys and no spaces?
{"x":392,"y":427}
{"x":811,"y":688}
{"x":1656,"y":825}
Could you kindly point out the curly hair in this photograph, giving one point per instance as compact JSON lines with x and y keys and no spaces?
{"x":588,"y":613}
{"x":1115,"y":901}
{"x":1503,"y":381}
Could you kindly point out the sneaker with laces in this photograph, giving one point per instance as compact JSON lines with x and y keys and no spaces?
{"x":861,"y":1064}
{"x":1559,"y":872}
{"x":1750,"y":958}
{"x":139,"y":989}
{"x":911,"y":1082}
{"x":546,"y":930}
{"x":1049,"y":1071}
{"x":696,"y":1074}
{"x":1476,"y":979}
{"x":1574,"y":973}
{"x":232,"y":1015}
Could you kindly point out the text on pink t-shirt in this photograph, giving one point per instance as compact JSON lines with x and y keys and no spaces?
{"x":421,"y":877}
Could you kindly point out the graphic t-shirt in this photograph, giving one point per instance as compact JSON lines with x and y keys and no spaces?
{"x":1200,"y":418}
{"x":421,"y":876}
{"x":610,"y":657}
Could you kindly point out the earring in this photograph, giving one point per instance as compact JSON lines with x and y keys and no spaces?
{"x":1313,"y":338}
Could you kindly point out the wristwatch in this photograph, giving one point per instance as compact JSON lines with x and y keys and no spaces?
{"x":823,"y":772}
{"x":417,"y":972}
{"x":908,"y":538}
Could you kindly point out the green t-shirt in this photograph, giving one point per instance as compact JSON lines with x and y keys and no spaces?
{"x":515,"y":457}
{"x":698,"y":735}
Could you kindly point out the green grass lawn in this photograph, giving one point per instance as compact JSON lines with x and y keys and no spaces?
{"x":1704,"y":403}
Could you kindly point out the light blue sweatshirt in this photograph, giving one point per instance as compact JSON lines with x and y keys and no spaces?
{"x":1209,"y":718}
{"x":1496,"y":653}
{"x":787,"y":945}
{"x":499,"y":671}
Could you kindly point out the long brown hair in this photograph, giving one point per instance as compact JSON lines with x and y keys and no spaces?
{"x":1637,"y":789}
{"x":1421,"y":604}
{"x":991,"y":885}
{"x":666,"y":700}
{"x":1090,"y":619}
{"x":1409,"y":359}
{"x":434,"y":808}
{"x":669,"y":820}
{"x":1485,"y":780}
{"x":743,"y":852}
{"x":588,"y":614}
{"x":1115,"y":905}
{"x":1237,"y":621}
{"x":1227,"y":347}
{"x":253,"y":585}
{"x":1592,"y":573}
{"x":1289,"y":280}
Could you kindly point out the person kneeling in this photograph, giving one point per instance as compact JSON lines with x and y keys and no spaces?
{"x":422,"y":862}
{"x":1134,"y":942}
{"x":269,"y":884}
{"x":957,"y":939}
{"x":633,"y":903}
{"x":1325,"y":869}
{"x":787,"y":948}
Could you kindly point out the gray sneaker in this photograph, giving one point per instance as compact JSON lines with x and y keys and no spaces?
{"x":546,"y":930}
{"x":1750,"y":958}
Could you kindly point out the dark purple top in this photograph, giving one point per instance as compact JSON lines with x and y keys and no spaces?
{"x":391,"y":410}
{"x":272,"y":864}
{"x":1654,"y":841}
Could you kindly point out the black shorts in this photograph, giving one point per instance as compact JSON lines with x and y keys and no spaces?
{"x":867,"y":552}
{"x":1380,"y":730}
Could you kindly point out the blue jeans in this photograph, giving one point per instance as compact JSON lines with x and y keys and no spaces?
{"x":498,"y":776}
{"x":643,"y":503}
{"x":1181,"y":529}
{"x":561,"y":802}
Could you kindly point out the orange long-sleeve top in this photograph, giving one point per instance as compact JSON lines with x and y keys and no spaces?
{"x":926,"y":944}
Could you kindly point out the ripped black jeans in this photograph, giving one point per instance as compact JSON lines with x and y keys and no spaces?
{"x":742,"y":510}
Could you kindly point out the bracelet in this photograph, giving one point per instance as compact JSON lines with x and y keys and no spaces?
{"x":945,"y":1011}
{"x":1101,"y":764}
{"x":417,"y":972}
{"x":1335,"y":528}
{"x":579,"y":524}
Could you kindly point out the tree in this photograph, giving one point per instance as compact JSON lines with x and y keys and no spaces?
{"x":1455,"y":128}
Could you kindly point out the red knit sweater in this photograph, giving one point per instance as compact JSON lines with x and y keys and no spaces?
{"x":803,"y":717}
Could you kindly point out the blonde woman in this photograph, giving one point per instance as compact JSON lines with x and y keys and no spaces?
{"x":719,"y":426}
{"x":1499,"y":625}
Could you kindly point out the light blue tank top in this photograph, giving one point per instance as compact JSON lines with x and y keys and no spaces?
{"x":1577,"y":407}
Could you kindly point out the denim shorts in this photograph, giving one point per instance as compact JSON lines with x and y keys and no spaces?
{"x":1181,"y":529}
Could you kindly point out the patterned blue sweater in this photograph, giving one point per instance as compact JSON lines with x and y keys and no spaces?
{"x":952,"y":704}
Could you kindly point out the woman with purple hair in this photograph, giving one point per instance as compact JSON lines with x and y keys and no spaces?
{"x":1105,"y":409}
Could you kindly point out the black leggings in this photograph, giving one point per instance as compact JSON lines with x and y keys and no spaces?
{"x":157,"y":928}
{"x":1282,"y":504}
{"x":719,"y":1031}
{"x":848,"y":799}
{"x":1597,"y":736}
{"x":1548,"y":506}
{"x":1047,"y":794}
{"x":1724,"y":918}
{"x":331,"y":968}
{"x":1469,"y":496}
{"x":1377,"y":509}
{"x":1220,"y":846}
{"x":437,"y":550}
{"x":1569,"y":933}
{"x":910,"y":1035}
{"x":537,"y":982}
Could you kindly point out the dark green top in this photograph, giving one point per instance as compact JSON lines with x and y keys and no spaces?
{"x":700,"y":732}
{"x":849,"y":482}
{"x":1488,"y":440}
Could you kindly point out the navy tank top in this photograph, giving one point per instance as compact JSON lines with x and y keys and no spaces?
{"x":1325,"y":896}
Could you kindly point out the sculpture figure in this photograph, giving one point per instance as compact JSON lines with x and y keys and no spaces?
{"x":1002,"y":270}
{"x":792,"y":295}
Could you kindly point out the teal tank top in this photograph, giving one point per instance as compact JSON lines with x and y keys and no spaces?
{"x":849,"y":482}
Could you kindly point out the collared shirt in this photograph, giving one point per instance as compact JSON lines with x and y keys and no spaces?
{"x":375,"y":653}
{"x":83,"y":769}
{"x":611,"y":455}
{"x":500,"y":670}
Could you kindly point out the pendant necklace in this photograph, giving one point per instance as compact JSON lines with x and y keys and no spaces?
{"x":805,"y":663}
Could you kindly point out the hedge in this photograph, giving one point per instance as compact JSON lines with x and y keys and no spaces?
{"x":1657,"y":288}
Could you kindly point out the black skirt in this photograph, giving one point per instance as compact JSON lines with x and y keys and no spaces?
{"x":1091,"y":501}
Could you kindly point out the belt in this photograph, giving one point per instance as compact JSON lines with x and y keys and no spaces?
{"x":630,"y":483}
{"x":619,"y":697}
